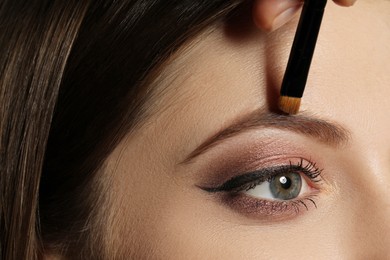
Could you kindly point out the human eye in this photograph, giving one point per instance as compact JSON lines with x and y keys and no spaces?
{"x":275,"y":190}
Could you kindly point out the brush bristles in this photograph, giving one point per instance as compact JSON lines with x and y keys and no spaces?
{"x":289,"y":105}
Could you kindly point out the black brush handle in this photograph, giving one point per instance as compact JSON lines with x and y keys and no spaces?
{"x":301,"y":55}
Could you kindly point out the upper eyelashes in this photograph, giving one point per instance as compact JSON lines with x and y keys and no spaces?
{"x":250,"y":180}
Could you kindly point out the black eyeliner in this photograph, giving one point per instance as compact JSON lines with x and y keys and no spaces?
{"x":237,"y":182}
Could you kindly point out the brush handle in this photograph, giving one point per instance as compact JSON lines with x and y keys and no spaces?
{"x":301,"y":55}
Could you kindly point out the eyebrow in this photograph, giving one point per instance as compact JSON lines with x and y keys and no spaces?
{"x":329,"y":133}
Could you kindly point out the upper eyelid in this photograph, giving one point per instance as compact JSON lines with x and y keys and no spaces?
{"x":308,"y":168}
{"x":324,"y":131}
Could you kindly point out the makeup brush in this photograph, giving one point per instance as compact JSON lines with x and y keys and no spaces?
{"x":301,"y":54}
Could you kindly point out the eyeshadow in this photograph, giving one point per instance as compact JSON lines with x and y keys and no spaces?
{"x":251,"y":205}
{"x":245,"y":158}
{"x":254,"y":152}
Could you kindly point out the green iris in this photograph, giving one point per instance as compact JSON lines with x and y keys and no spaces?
{"x":286,"y":186}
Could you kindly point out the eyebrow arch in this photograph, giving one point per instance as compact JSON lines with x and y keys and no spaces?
{"x":326,"y":132}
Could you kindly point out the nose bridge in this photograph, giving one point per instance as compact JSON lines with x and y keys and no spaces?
{"x":372,"y":229}
{"x":371,"y":224}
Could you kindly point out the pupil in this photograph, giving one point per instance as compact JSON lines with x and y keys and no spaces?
{"x":285,"y":182}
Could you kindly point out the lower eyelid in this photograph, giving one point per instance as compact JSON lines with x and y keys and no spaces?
{"x":269,"y":210}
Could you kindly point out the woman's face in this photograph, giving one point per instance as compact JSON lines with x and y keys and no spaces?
{"x":215,"y":173}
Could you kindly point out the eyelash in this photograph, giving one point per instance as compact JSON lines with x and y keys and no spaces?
{"x":236,"y":185}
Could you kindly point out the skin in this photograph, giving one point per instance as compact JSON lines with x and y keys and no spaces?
{"x":159,"y":212}
{"x":269,"y":15}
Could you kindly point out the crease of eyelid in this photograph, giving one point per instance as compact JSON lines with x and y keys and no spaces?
{"x":329,"y":133}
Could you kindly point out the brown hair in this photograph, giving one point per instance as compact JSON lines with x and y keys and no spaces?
{"x":73,"y":82}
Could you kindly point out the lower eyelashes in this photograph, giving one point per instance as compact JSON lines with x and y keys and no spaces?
{"x":274,"y":191}
{"x":267,"y":209}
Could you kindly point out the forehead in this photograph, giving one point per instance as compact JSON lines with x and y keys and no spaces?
{"x":222,"y":75}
